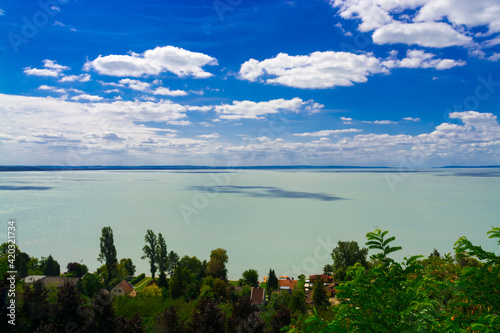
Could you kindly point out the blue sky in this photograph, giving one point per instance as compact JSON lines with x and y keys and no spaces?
{"x":412,"y":83}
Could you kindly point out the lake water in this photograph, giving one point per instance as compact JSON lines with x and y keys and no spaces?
{"x":287,"y":220}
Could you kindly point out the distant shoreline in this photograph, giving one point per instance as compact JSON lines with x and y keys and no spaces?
{"x":10,"y":168}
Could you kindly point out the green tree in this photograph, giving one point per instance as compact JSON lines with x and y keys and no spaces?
{"x":328,"y":270}
{"x":173,"y":261}
{"x":108,"y":251}
{"x":77,"y":270}
{"x":150,"y":250}
{"x":251,"y":277}
{"x":50,"y":267}
{"x":319,"y":296}
{"x":128,"y":265}
{"x":345,"y":255}
{"x":272,"y":281}
{"x":217,"y":264}
{"x":162,"y":258}
{"x":90,"y":284}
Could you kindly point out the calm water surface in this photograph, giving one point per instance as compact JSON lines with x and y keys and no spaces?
{"x":285,"y":220}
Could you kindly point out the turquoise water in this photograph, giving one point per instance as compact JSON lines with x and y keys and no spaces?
{"x":285,"y":220}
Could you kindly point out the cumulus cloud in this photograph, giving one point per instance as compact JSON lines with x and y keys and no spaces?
{"x":167,"y":92}
{"x":494,"y":57}
{"x":87,"y":97}
{"x":427,"y":23}
{"x":257,"y":110}
{"x":73,"y":78}
{"x":411,"y":119}
{"x":317,"y":70}
{"x":428,"y":34}
{"x":134,"y":84}
{"x":379,"y":122}
{"x":421,"y":59}
{"x":328,"y":132}
{"x":52,"y":69}
{"x":209,"y":136}
{"x":159,"y":60}
{"x":346,"y":120}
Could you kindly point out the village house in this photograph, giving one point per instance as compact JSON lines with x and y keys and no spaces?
{"x":123,"y":288}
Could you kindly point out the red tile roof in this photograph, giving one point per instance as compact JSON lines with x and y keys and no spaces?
{"x":126,"y":287}
{"x":287,"y":284}
{"x":257,"y":295}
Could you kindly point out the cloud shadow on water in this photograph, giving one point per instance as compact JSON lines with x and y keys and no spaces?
{"x":24,"y":188}
{"x":265,"y":192}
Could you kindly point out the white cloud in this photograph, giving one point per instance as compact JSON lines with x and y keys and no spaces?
{"x":87,"y":97}
{"x":346,"y":120}
{"x":315,"y":71}
{"x":135,"y":84}
{"x":109,"y":91}
{"x":380,"y":122}
{"x":153,"y":62}
{"x":204,"y":108}
{"x":51,"y":88}
{"x":52,"y":69}
{"x":40,"y":72}
{"x":209,"y":136}
{"x":257,"y":110}
{"x":328,"y":132}
{"x":38,"y":129}
{"x":167,"y":92}
{"x":428,"y":23}
{"x":494,"y":57}
{"x":73,"y":78}
{"x":421,"y":59}
{"x":411,"y":119}
{"x":2,"y":12}
{"x":469,"y":13}
{"x":427,"y":34}
{"x":54,"y":65}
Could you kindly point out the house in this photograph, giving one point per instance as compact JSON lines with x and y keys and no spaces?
{"x":287,"y":284}
{"x":30,"y":279}
{"x":123,"y":288}
{"x":321,"y":277}
{"x":58,"y":281}
{"x":257,"y":295}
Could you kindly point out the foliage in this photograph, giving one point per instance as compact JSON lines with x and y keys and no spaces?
{"x":161,"y":254}
{"x":328,"y":270}
{"x":251,"y":277}
{"x":75,"y":269}
{"x":150,"y":291}
{"x":108,"y":251}
{"x":217,"y":264}
{"x":150,"y":250}
{"x":345,"y":255}
{"x":319,"y":294}
{"x":272,"y":281}
{"x":90,"y":284}
{"x":50,"y":267}
{"x":128,"y":265}
{"x":207,"y":317}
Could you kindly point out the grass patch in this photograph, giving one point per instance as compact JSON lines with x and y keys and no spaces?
{"x":143,"y":283}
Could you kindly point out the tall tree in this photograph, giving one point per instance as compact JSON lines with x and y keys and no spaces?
{"x":162,"y":258}
{"x":76,"y":269}
{"x":173,"y":261}
{"x":150,"y":250}
{"x":50,"y":267}
{"x":217,"y":264}
{"x":108,"y":251}
{"x":272,"y":280}
{"x":319,"y":297}
{"x":345,"y":255}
